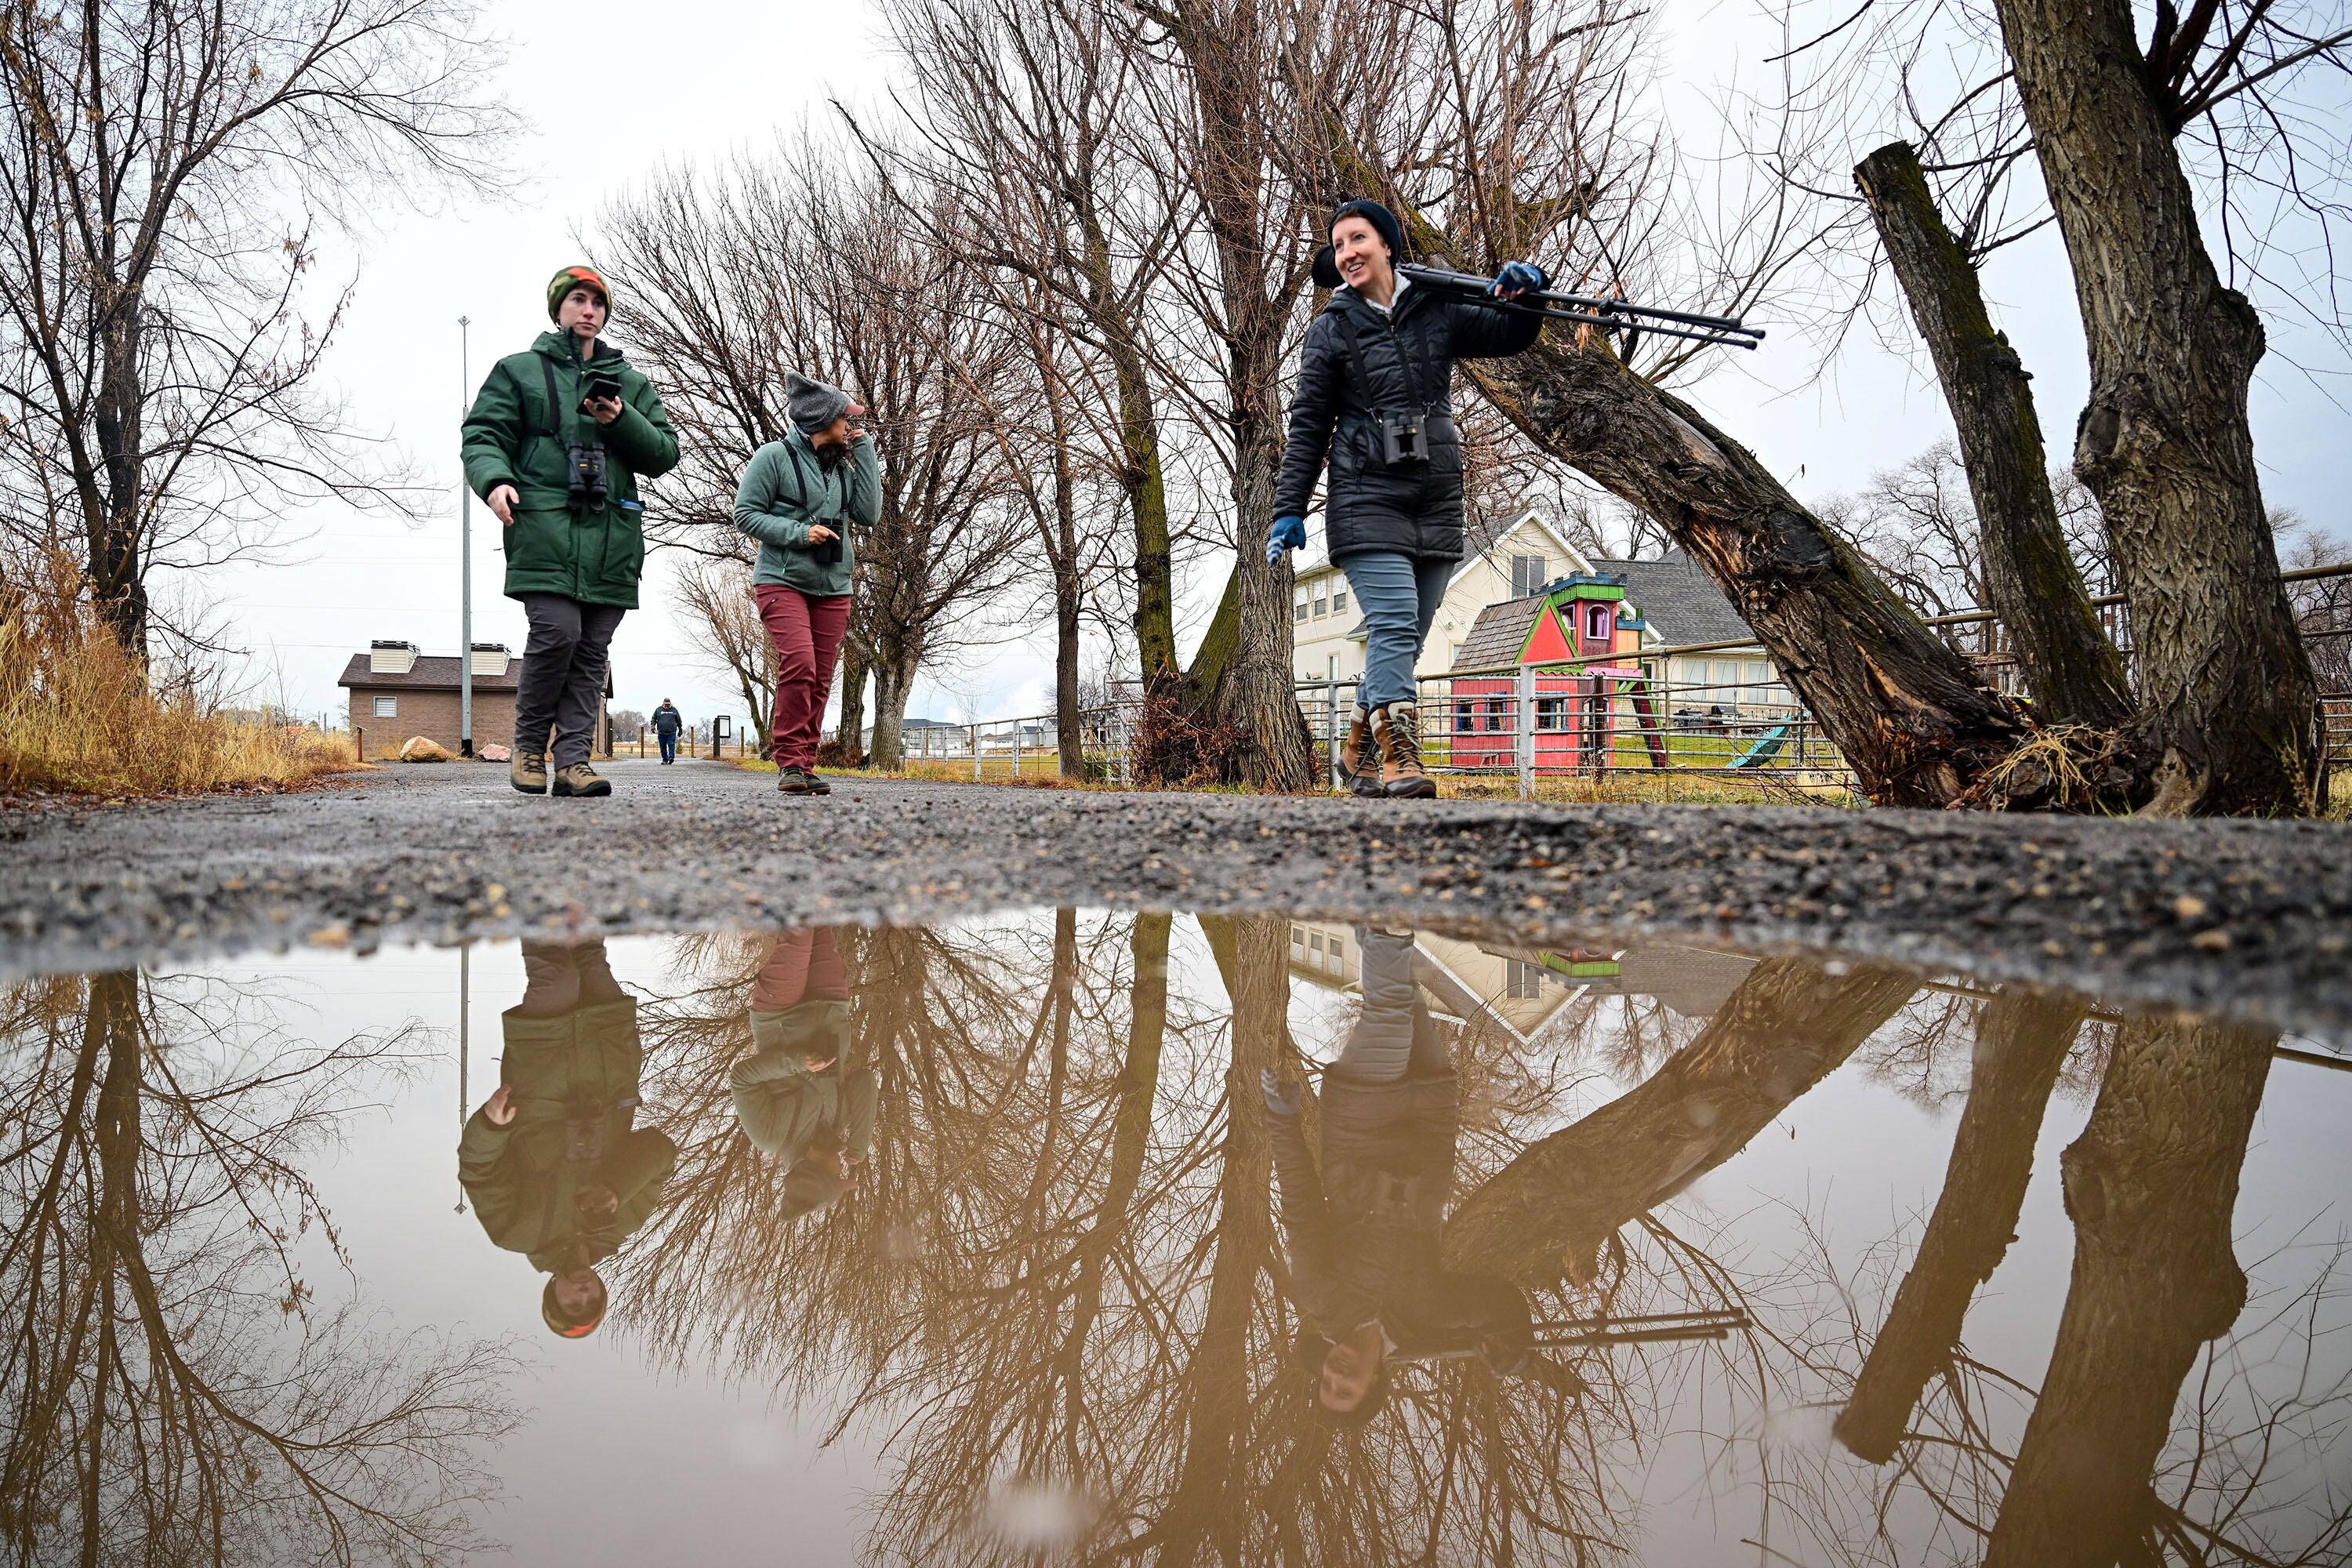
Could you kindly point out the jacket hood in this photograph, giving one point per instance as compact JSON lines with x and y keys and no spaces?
{"x":562,"y":347}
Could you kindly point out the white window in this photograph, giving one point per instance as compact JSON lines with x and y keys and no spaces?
{"x":387,"y":707}
{"x":1321,"y":606}
{"x":1339,"y":600}
{"x":1315,"y":940}
{"x":1331,"y":667}
{"x":1527,"y":574}
{"x":1522,"y":980}
{"x":1298,"y":603}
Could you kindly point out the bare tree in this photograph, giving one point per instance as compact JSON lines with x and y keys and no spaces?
{"x":1024,"y":112}
{"x":178,"y":1391}
{"x":800,"y":260}
{"x":158,"y":339}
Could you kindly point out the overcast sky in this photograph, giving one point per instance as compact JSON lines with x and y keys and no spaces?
{"x":613,"y":91}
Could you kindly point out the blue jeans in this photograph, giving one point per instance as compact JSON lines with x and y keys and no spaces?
{"x":668,"y":739}
{"x":1399,"y":594}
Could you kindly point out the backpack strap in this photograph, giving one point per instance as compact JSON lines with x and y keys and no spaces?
{"x":547,"y":368}
{"x":1354,"y":346}
{"x":1354,"y":349}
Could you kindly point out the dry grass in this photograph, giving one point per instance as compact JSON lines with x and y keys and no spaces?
{"x":77,"y":715}
{"x":1692,"y":788}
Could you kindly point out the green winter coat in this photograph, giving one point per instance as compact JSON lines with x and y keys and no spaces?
{"x":785,"y":488}
{"x":574,"y":1084}
{"x":595,"y":556}
{"x":781,"y":1104}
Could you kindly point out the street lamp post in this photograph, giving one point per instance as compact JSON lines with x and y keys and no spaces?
{"x":466,"y":566}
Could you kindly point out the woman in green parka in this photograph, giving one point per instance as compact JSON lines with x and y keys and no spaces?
{"x":555,"y":1161}
{"x":555,"y":443}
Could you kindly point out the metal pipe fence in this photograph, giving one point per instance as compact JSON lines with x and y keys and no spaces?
{"x":1595,"y":717}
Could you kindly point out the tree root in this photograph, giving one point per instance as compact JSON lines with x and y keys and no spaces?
{"x":2063,"y":767}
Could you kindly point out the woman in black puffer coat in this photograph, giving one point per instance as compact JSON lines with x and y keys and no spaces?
{"x":1374,"y":398}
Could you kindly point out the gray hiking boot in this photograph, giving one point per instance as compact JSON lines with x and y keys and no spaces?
{"x":528,"y":771}
{"x":580,"y":779}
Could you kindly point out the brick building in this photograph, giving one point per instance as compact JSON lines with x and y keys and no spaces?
{"x":396,"y":692}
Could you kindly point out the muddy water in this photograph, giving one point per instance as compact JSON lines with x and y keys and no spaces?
{"x":1032,"y":1239}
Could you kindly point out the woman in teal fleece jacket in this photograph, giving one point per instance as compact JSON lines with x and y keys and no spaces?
{"x":803,"y":497}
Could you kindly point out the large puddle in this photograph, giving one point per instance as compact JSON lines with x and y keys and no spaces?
{"x":1084,"y":1236}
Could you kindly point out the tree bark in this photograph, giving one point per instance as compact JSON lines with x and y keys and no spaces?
{"x":1251,"y":694}
{"x":852,"y":729}
{"x":1203,"y":1517}
{"x":1917,"y":725}
{"x":2022,"y":1037}
{"x":2150,"y":1186}
{"x":2031,"y":582}
{"x":1789,"y":1024}
{"x":1142,"y":478}
{"x":2227,"y":690}
{"x":893,"y":680}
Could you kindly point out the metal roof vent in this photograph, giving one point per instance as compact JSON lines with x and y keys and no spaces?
{"x":391,"y":658}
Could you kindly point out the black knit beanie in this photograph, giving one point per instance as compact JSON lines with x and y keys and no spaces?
{"x":1383,"y":222}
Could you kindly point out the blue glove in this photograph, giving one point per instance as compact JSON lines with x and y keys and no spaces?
{"x":1281,"y":1096}
{"x":1516,"y":277}
{"x":1289,"y":533}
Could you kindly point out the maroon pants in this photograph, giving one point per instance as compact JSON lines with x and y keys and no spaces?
{"x":807,"y":634}
{"x":803,"y":964}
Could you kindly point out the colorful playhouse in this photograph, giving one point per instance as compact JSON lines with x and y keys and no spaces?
{"x":1579,"y":705}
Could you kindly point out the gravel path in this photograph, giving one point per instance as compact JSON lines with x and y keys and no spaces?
{"x":2251,"y":917}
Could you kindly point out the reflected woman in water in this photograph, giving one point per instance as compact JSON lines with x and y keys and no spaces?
{"x":555,"y":1165}
{"x":1363,"y":1233}
{"x":806,"y":1094}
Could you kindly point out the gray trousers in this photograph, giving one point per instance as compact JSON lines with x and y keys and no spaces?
{"x":563,"y":669}
{"x":1394,"y":1037}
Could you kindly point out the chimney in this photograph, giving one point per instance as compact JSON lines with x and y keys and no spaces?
{"x":490,"y":658}
{"x":391,"y":658}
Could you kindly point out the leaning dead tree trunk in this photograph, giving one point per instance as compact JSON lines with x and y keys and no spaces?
{"x":2031,"y":583}
{"x":2023,"y":1037}
{"x":2150,"y":1186}
{"x":1549,"y":1211}
{"x":2229,"y":699}
{"x":1917,"y":725}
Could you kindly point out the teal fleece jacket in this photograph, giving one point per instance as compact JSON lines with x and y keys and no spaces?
{"x":784,"y":489}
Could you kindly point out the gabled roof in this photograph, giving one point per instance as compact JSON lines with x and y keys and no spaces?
{"x":1680,"y":601}
{"x":437,"y":672}
{"x":1503,"y":536}
{"x":432,"y":672}
{"x":1499,"y":633}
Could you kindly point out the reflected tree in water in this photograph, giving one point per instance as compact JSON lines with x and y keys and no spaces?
{"x":176,"y":1388}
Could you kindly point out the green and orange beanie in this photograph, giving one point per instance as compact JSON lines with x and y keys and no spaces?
{"x":572,"y":278}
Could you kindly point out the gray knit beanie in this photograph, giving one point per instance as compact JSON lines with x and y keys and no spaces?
{"x":812,"y":403}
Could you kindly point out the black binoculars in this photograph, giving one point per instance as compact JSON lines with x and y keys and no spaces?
{"x":584,"y":482}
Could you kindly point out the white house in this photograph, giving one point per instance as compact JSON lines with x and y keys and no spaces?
{"x":1678,"y":602}
{"x":1328,"y":630}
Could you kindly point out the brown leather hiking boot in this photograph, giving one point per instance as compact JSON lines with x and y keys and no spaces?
{"x":528,"y":771}
{"x":580,"y":779}
{"x":1360,"y":757}
{"x":1401,"y":774}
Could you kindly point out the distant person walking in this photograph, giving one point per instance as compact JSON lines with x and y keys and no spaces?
{"x":555,"y":444}
{"x":1374,"y":395}
{"x":802,"y":498}
{"x":665,"y":727}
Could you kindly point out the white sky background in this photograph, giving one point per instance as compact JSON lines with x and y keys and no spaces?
{"x":612,"y":91}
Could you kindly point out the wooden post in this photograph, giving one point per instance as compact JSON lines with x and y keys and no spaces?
{"x":1524,"y":724}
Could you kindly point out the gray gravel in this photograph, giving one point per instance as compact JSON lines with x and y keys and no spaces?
{"x":2253,"y":919}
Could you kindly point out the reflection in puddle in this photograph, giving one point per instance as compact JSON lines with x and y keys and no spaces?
{"x":1072,"y":1235}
